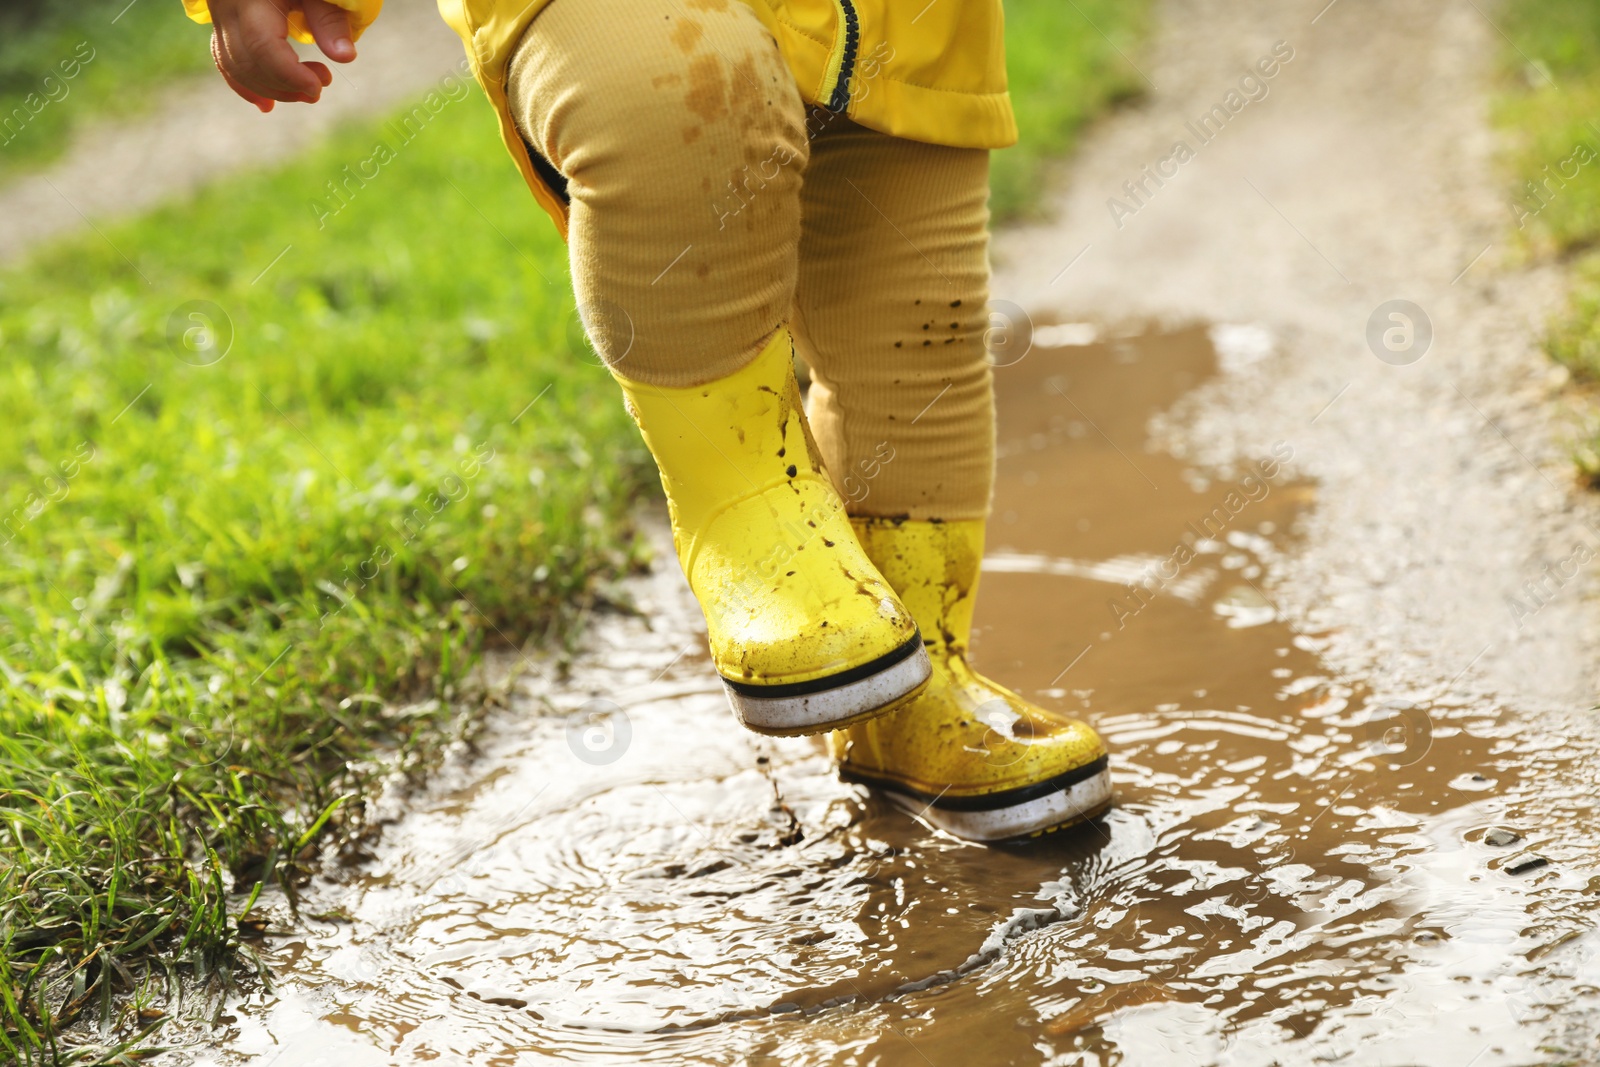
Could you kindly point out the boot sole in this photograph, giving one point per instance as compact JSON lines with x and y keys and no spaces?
{"x":837,"y":701}
{"x":1028,"y":811}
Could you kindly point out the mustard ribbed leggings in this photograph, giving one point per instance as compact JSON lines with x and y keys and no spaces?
{"x":710,"y":205}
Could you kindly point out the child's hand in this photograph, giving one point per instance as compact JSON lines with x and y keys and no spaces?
{"x":249,"y":42}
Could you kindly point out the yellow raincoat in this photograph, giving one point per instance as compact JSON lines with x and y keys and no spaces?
{"x":926,"y":70}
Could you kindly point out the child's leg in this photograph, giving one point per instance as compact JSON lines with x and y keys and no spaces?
{"x":890,"y":313}
{"x":893,"y":282}
{"x":681,"y":137}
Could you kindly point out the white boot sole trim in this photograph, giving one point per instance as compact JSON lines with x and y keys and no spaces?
{"x":827,"y":709}
{"x":1072,"y":804}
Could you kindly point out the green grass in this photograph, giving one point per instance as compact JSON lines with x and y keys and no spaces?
{"x":64,"y":63}
{"x":1549,"y":112}
{"x":227,"y":588}
{"x":1068,"y":63}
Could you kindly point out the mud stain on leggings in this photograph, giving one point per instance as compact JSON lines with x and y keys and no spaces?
{"x":687,"y":35}
{"x":1295,"y":872}
{"x":707,"y":96}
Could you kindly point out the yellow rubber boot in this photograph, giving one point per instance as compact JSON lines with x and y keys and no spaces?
{"x":967,"y":755}
{"x":804,"y":631}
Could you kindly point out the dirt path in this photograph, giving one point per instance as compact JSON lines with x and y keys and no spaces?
{"x":197,"y":131}
{"x":1355,"y":785}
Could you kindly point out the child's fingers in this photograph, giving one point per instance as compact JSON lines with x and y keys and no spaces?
{"x":257,"y":99}
{"x":330,"y":28}
{"x":258,"y":56}
{"x":324,"y":75}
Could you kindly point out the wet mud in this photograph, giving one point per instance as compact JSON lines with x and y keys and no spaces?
{"x":1296,"y":870}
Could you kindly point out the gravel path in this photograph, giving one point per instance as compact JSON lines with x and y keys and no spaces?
{"x":199,"y":131}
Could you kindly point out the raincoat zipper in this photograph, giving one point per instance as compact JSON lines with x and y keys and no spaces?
{"x":842,"y":63}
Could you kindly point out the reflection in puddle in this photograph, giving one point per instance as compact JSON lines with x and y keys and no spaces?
{"x":1293,"y":871}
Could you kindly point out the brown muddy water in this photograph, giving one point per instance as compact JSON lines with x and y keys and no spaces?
{"x":1293,"y":872}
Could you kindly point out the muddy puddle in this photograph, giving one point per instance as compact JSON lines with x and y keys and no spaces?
{"x":1300,"y":868}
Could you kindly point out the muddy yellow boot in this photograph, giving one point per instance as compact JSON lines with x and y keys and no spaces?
{"x":805,"y":633}
{"x":968,"y":755}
